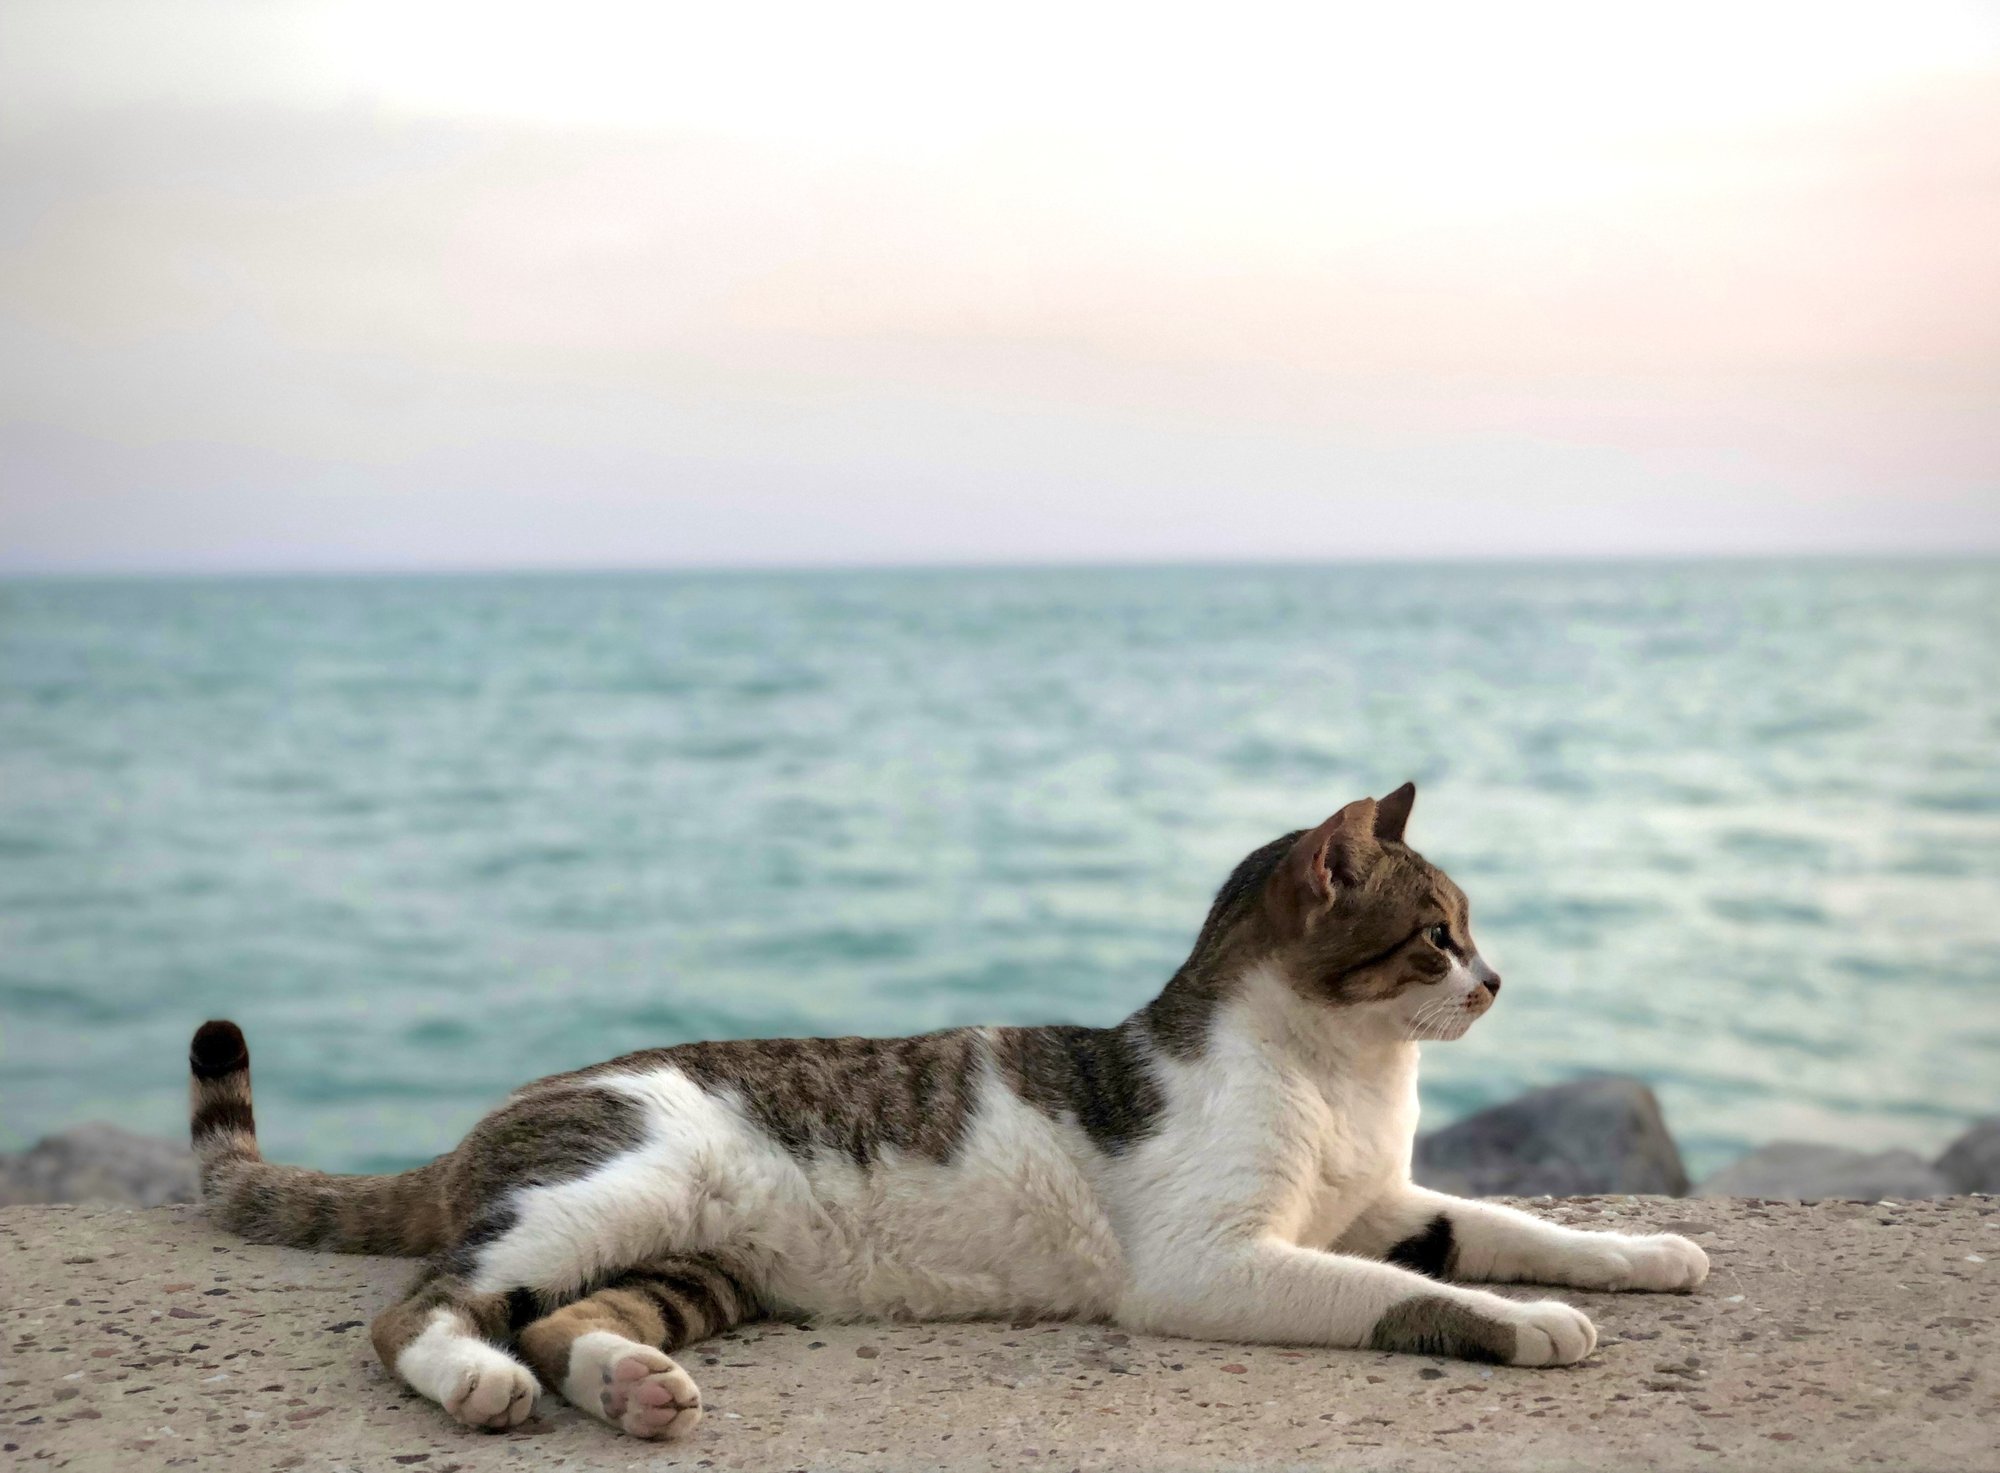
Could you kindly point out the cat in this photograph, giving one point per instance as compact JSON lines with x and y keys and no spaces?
{"x":1231,"y":1162}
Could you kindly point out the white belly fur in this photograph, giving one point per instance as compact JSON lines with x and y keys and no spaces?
{"x":1012,"y":1223}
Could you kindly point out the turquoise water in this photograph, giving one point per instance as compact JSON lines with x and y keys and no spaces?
{"x":1731,"y":827}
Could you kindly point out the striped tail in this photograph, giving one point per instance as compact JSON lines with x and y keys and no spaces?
{"x":266,"y":1203}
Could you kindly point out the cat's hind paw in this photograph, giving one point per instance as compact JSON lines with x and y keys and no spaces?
{"x":637,"y":1388}
{"x":494,"y":1393}
{"x":648,"y":1395}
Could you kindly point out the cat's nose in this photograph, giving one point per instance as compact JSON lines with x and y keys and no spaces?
{"x":1491,"y":984}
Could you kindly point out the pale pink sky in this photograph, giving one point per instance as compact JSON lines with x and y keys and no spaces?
{"x":381,"y":286}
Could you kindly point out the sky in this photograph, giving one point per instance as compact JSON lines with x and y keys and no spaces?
{"x":300,"y":286}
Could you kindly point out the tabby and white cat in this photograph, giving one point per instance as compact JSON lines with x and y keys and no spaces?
{"x":1231,"y":1162}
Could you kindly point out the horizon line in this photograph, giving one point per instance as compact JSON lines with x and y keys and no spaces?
{"x":306,"y":572}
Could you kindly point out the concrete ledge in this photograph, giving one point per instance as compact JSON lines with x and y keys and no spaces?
{"x":1831,"y":1336}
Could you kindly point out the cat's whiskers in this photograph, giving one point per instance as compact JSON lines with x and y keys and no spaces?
{"x":1434,"y":1015}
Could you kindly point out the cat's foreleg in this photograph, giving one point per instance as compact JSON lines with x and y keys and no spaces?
{"x":1454,"y":1238}
{"x":1270,"y":1291}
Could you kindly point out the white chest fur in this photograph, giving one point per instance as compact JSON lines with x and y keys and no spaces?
{"x":1280,"y":1128}
{"x":1364,"y":1132}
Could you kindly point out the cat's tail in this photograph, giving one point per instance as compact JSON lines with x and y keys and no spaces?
{"x":267,"y":1203}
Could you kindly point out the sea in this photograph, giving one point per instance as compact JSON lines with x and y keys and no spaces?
{"x":1730,"y":827}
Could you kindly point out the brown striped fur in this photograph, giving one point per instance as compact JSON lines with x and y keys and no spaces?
{"x":267,"y":1203}
{"x":1097,"y":1077}
{"x":1432,"y":1325}
{"x":669,"y":1304}
{"x":857,"y":1096}
{"x":488,"y":1316}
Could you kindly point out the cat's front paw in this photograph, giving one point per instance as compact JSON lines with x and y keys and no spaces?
{"x":1660,"y":1263}
{"x":1548,"y":1332}
{"x":1473,"y":1325}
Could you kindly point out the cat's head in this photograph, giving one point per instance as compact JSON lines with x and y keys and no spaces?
{"x":1353,"y":918}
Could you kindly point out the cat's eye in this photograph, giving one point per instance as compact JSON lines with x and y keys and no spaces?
{"x":1440,"y":937}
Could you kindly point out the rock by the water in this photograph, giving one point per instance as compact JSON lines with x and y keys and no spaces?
{"x":1811,"y":1173}
{"x":98,"y":1163}
{"x":1972,"y":1162}
{"x":1591,"y":1136}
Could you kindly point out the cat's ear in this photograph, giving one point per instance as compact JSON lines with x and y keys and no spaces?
{"x":1328,"y":858}
{"x":1392,"y":813}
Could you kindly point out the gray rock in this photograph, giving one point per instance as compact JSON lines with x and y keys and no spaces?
{"x":1972,"y":1162}
{"x":1809,"y":1173}
{"x":1591,"y":1136}
{"x":98,"y":1163}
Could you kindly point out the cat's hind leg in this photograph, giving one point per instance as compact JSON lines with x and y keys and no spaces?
{"x":607,"y":1352}
{"x":441,"y":1339}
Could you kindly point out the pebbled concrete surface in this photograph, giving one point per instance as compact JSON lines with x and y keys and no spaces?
{"x":1834,"y":1335}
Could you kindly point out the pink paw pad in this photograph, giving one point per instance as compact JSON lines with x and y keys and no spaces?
{"x":649,"y":1396}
